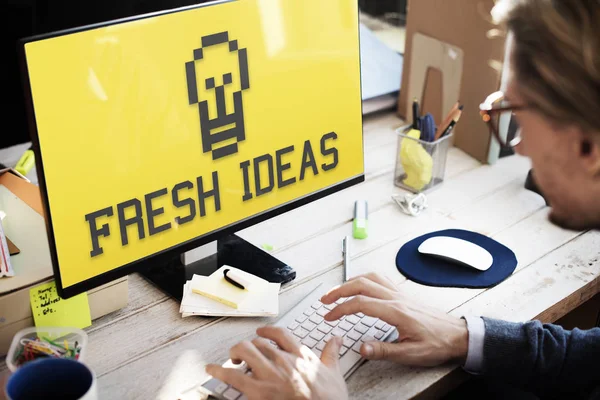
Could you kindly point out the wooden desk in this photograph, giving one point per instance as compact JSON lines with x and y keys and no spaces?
{"x":148,"y":351}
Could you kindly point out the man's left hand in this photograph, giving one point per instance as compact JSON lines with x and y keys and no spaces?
{"x":291,"y":371}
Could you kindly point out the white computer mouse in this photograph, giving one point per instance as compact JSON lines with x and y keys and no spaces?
{"x":458,"y":251}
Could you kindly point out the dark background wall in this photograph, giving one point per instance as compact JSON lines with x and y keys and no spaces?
{"x":22,"y":18}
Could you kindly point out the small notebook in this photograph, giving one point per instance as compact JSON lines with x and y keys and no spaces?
{"x":217,"y":288}
{"x":214,"y":296}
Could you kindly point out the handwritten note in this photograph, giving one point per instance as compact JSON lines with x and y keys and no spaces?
{"x":49,"y":309}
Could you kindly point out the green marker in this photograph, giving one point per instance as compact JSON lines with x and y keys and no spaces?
{"x":359,"y":226}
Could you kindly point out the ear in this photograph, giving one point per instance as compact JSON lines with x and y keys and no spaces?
{"x":589,"y":153}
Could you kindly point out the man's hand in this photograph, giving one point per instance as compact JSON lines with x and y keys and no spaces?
{"x":427,"y":337}
{"x":291,"y":372}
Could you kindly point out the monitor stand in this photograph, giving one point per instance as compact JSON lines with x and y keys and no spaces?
{"x":232,"y":250}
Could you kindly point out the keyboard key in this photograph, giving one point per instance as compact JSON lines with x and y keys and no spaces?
{"x":345,"y":326}
{"x":321,"y":345}
{"x":349,"y":360}
{"x":309,"y":312}
{"x":343,"y":350}
{"x":354,"y":335}
{"x":293,"y":326}
{"x":317,"y":305}
{"x":379,"y":324}
{"x":333,"y":323}
{"x":315,"y":319}
{"x":301,"y":318}
{"x":309,"y":326}
{"x":348,"y":342}
{"x":361,"y":328}
{"x":367,"y":338}
{"x":317,"y":335}
{"x":356,"y":346}
{"x":368,"y":321}
{"x":301,"y":332}
{"x":372,"y":331}
{"x":340,"y":300}
{"x":379,"y":335}
{"x":327,"y":337}
{"x":322,"y":311}
{"x":309,"y":342}
{"x":231,"y":394}
{"x":338,"y":332}
{"x":317,"y":352}
{"x":330,"y":306}
{"x":352,"y":319}
{"x":386,"y":327}
{"x":221,"y":388}
{"x":323,"y":327}
{"x":360,"y":315}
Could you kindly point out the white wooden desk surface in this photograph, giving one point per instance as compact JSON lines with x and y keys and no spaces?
{"x":147,"y":350}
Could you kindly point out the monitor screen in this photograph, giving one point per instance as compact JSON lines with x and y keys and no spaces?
{"x":161,"y":132}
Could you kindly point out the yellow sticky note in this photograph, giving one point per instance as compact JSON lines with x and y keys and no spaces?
{"x":49,"y":309}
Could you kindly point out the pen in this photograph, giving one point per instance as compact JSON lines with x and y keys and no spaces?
{"x":450,"y":127}
{"x":415,"y":108}
{"x":443,"y":126}
{"x":233,"y":278}
{"x":345,"y":245}
{"x":455,"y":117}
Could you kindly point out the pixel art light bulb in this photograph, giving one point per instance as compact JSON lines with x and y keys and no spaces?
{"x":212,"y":129}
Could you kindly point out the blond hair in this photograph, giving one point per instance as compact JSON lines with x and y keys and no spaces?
{"x":555,"y":56}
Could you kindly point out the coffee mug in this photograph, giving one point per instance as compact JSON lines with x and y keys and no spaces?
{"x":52,"y":378}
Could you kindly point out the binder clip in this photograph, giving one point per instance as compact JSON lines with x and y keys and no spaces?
{"x":411,"y":204}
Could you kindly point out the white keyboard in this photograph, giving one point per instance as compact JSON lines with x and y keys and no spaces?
{"x":305,"y":321}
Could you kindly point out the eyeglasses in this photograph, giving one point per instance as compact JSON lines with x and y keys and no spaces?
{"x":497,"y":112}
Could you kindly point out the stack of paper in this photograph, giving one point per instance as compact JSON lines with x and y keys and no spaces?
{"x":214,"y":296}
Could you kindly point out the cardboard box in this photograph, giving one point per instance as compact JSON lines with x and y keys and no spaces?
{"x":464,"y":24}
{"x":25,"y":225}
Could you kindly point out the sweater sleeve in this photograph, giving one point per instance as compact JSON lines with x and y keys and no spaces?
{"x":542,"y":358}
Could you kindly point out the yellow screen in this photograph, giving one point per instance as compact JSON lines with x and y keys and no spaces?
{"x":160,"y":130}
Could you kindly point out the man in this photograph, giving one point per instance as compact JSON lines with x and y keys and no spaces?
{"x":554,"y":94}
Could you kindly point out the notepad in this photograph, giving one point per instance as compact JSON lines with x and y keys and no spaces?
{"x":212,"y":296}
{"x":217,"y":288}
{"x":49,"y":309}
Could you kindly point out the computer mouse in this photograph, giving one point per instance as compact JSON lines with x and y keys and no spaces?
{"x":458,"y":251}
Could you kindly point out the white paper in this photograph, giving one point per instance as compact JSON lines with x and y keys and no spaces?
{"x":381,"y":66}
{"x":263,"y":300}
{"x":6,"y":268}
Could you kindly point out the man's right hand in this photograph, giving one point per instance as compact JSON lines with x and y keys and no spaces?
{"x":427,"y":337}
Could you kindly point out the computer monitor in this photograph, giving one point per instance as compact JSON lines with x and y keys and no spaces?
{"x":163,"y":132}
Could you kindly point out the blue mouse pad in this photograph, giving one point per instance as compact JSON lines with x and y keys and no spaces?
{"x":431,"y":271}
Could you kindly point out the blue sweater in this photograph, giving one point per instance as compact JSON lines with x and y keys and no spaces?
{"x":544,"y":359}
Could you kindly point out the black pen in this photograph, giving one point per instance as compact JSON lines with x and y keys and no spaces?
{"x":449,"y":129}
{"x":234,"y":280}
{"x":415,"y":114}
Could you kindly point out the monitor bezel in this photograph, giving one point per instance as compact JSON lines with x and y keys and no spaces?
{"x":141,"y":263}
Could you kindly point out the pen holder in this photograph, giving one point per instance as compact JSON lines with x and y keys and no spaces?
{"x":420,"y":165}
